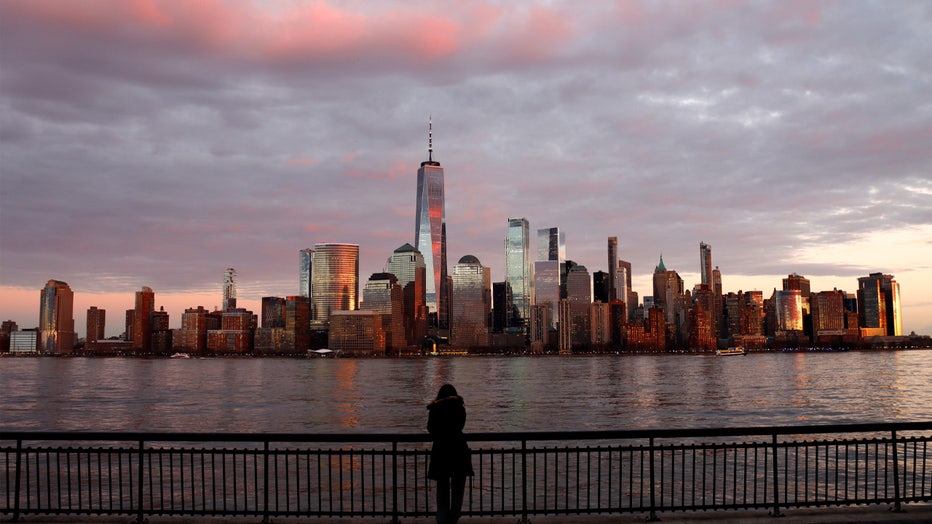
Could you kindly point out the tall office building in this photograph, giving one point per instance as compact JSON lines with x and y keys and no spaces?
{"x":518,"y":269}
{"x":705,"y":264}
{"x":788,"y":310}
{"x":430,"y":230}
{"x":547,"y":287}
{"x":383,"y":295}
{"x":335,"y":280}
{"x":470,"y":303}
{"x":879,"y":304}
{"x":800,"y":283}
{"x":551,"y":244}
{"x":612,"y":268}
{"x":229,"y":289}
{"x":142,"y":319}
{"x":305,"y":256}
{"x":96,"y":327}
{"x":407,"y":264}
{"x":56,"y":318}
{"x":668,"y":288}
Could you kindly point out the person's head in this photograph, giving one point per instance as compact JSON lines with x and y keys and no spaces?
{"x":446,"y":390}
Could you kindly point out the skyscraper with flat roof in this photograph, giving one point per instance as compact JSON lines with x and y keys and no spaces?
{"x":407,"y":263}
{"x":304,"y":271}
{"x":335,"y":280}
{"x":551,"y":244}
{"x":518,"y":269}
{"x":142,"y":319}
{"x":470,"y":304}
{"x":430,"y":230}
{"x":612,"y":268}
{"x":56,"y":318}
{"x":705,"y":264}
{"x":96,"y":324}
{"x":879,"y":304}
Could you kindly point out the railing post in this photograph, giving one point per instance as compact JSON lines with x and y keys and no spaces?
{"x":776,"y":479}
{"x":19,"y":461}
{"x":653,"y":490}
{"x":896,"y":478}
{"x":140,"y":518}
{"x":265,"y":483}
{"x":395,"y":482}
{"x":524,"y":519}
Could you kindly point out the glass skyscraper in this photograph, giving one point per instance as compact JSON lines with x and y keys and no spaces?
{"x":470,"y":303}
{"x":518,"y":265}
{"x":56,"y":318}
{"x":430,"y":231}
{"x":705,"y":264}
{"x":304,"y":271}
{"x":335,"y":279}
{"x":551,"y":244}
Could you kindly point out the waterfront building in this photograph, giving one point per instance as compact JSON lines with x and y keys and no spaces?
{"x":828,"y":316}
{"x":56,"y":318}
{"x":236,"y":334}
{"x":788,"y":309}
{"x":357,"y":333}
{"x":619,"y":318}
{"x":502,"y":306}
{"x":161,"y":342}
{"x":879,"y":308}
{"x":800,"y":283}
{"x":626,"y":292}
{"x":668,"y":288}
{"x":612,"y":269}
{"x":273,"y":312}
{"x":518,"y":268}
{"x":6,"y":328}
{"x":547,"y":286}
{"x":383,"y":295}
{"x":296,"y":336}
{"x":718,"y":309}
{"x":335,"y":280}
{"x":142,"y":319}
{"x":25,"y":341}
{"x":305,"y":267}
{"x":600,"y":323}
{"x":129,"y":326}
{"x":96,"y":327}
{"x":195,"y":323}
{"x":699,"y":319}
{"x":407,"y":264}
{"x":539,"y":327}
{"x":575,"y":323}
{"x":470,"y":304}
{"x":229,"y":289}
{"x":430,"y":230}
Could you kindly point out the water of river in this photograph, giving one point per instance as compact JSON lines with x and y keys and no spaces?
{"x":502,"y":393}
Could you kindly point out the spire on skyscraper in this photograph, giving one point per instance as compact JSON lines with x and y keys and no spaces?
{"x":430,"y":137}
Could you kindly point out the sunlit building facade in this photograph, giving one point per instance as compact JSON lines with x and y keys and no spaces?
{"x":470,"y":304}
{"x":518,"y":268}
{"x":879,"y":310}
{"x":788,"y":309}
{"x":142,"y":319}
{"x":56,"y":318}
{"x":383,"y":295}
{"x":430,"y":231}
{"x":335,"y":279}
{"x":357,"y":333}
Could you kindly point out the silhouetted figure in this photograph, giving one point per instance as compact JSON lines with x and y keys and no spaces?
{"x":450,"y":461}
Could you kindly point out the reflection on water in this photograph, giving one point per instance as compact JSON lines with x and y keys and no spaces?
{"x":502,"y":394}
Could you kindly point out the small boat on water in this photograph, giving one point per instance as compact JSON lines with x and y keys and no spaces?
{"x":180,"y":355}
{"x":731,"y":351}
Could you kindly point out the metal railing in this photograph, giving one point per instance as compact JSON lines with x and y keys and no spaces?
{"x":516,"y":474}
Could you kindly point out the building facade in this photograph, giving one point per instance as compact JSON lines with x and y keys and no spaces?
{"x":357,"y":333}
{"x":229,"y":289}
{"x":430,"y":231}
{"x":335,"y":280}
{"x":305,"y":268}
{"x":879,"y":307}
{"x":518,"y":268}
{"x":612,"y":269}
{"x":407,"y":264}
{"x":56,"y":318}
{"x":142,"y":319}
{"x":96,"y":327}
{"x":470,"y":304}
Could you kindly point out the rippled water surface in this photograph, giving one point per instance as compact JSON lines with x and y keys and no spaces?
{"x":502,"y":394}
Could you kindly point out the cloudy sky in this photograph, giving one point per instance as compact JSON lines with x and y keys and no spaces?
{"x":147,"y":142}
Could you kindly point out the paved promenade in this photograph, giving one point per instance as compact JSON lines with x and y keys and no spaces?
{"x":913,"y":514}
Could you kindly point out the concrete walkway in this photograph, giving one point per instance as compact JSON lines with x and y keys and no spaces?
{"x":912,"y":514}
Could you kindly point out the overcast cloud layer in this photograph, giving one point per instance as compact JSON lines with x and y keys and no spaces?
{"x":156,"y":143}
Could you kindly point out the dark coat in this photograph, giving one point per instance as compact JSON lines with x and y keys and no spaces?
{"x":449,"y":455}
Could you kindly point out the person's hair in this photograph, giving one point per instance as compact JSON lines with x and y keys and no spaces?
{"x":446,"y":390}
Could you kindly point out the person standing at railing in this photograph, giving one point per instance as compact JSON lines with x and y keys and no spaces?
{"x":450,"y":460}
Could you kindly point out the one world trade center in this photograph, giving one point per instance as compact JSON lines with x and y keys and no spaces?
{"x":431,"y":231}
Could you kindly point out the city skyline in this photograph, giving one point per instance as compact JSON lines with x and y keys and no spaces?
{"x":771,"y":131}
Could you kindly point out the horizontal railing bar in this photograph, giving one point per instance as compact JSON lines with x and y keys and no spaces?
{"x":475,"y":437}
